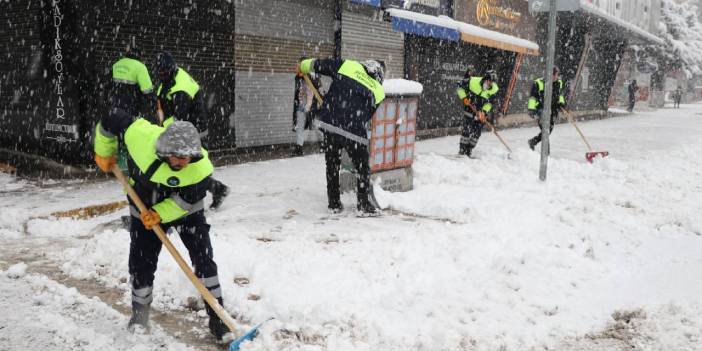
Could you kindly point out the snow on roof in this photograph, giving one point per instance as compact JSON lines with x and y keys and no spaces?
{"x":465,"y":28}
{"x":402,"y":87}
{"x":620,"y":22}
{"x":497,"y":36}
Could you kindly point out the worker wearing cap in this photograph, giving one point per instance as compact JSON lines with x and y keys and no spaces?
{"x":170,"y":171}
{"x":536,"y":103}
{"x":477,"y":94}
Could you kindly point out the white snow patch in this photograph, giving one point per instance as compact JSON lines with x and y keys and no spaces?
{"x":17,"y":270}
{"x":402,"y":87}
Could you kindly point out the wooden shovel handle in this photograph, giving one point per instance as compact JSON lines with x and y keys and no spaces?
{"x":206,"y":294}
{"x":314,"y":90}
{"x":572,"y":121}
{"x":494,"y":131}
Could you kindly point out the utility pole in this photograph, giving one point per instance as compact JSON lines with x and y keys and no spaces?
{"x":548,"y":91}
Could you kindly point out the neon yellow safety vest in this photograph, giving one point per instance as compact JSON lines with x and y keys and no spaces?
{"x":183,"y":82}
{"x":534,"y":103}
{"x":130,"y":71}
{"x":355,"y":71}
{"x":140,"y":138}
{"x":475,"y":88}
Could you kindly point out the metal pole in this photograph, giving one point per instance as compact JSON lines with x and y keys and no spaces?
{"x":548,"y":91}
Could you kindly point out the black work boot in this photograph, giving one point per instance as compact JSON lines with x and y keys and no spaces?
{"x":464,"y":149}
{"x":297,"y":150}
{"x":140,"y":316}
{"x":217,"y":328}
{"x":219,"y":192}
{"x":335,"y":207}
{"x":532,"y":143}
{"x":367,"y":209}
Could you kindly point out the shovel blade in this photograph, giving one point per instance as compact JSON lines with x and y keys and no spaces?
{"x":590,"y":156}
{"x":249,"y":335}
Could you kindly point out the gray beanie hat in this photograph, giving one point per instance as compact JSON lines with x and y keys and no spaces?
{"x":179,"y":139}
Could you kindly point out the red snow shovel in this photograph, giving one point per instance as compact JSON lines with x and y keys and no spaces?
{"x":206,"y":294}
{"x":590,"y":155}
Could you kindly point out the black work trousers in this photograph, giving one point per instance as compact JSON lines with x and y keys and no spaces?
{"x":145,"y":247}
{"x":333,"y":145}
{"x":554,"y":116}
{"x":470,"y":133}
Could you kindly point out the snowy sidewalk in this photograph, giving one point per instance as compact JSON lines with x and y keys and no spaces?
{"x":521,"y":265}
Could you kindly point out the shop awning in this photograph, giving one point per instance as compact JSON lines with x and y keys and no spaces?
{"x":443,"y":27}
{"x":633,"y":29}
{"x":424,"y":25}
{"x":481,"y":36}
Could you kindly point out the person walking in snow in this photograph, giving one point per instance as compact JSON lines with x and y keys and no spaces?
{"x":633,"y":88}
{"x":355,"y":93}
{"x":305,"y":109}
{"x":170,"y":172}
{"x":477,"y":94}
{"x":181,"y":98}
{"x":131,"y":89}
{"x":677,"y":97}
{"x":536,"y":103}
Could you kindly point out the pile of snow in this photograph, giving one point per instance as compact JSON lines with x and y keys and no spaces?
{"x":41,"y":314}
{"x":17,"y":270}
{"x":402,"y":87}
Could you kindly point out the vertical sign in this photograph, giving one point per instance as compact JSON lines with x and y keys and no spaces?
{"x":58,"y":126}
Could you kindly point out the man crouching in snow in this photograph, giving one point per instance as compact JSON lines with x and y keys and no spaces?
{"x":170,"y":171}
{"x":355,"y":93}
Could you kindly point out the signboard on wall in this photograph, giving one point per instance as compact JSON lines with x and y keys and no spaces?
{"x":506,"y":16}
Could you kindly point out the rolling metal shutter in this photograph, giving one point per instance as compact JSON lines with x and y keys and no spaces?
{"x":271,"y":36}
{"x":364,"y":37}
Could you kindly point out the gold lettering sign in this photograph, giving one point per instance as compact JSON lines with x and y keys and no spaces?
{"x":490,"y":13}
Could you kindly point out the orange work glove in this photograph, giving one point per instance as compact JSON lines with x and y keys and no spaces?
{"x":105,"y":163}
{"x":298,"y":72}
{"x":466,"y":101}
{"x":150,"y":218}
{"x":481,"y":117}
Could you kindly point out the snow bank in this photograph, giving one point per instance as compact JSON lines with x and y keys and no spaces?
{"x":41,"y":314}
{"x":402,"y":87}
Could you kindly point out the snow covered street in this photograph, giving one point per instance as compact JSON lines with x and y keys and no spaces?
{"x":602,"y":256}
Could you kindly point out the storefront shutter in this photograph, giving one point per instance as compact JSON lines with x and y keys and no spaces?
{"x":364,"y":37}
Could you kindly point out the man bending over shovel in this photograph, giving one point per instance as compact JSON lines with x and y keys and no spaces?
{"x":170,"y":171}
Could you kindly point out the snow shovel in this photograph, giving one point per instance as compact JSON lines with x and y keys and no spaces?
{"x":590,"y":155}
{"x":494,"y":131}
{"x":206,"y":294}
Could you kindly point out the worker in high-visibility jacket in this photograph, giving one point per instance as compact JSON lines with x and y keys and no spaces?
{"x":536,"y":103}
{"x":181,"y":99}
{"x":170,"y":171}
{"x":478,"y":95}
{"x":345,"y":116}
{"x":131,"y":89}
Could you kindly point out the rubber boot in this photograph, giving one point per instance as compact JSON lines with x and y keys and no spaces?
{"x":532,"y":143}
{"x":217,"y":328}
{"x":140,"y":316}
{"x":464,"y":149}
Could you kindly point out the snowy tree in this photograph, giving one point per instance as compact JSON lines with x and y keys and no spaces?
{"x":680,"y":27}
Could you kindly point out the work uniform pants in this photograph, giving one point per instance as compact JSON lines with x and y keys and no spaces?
{"x":554,"y":115}
{"x":333,"y":145}
{"x":145,"y":247}
{"x":470,"y":133}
